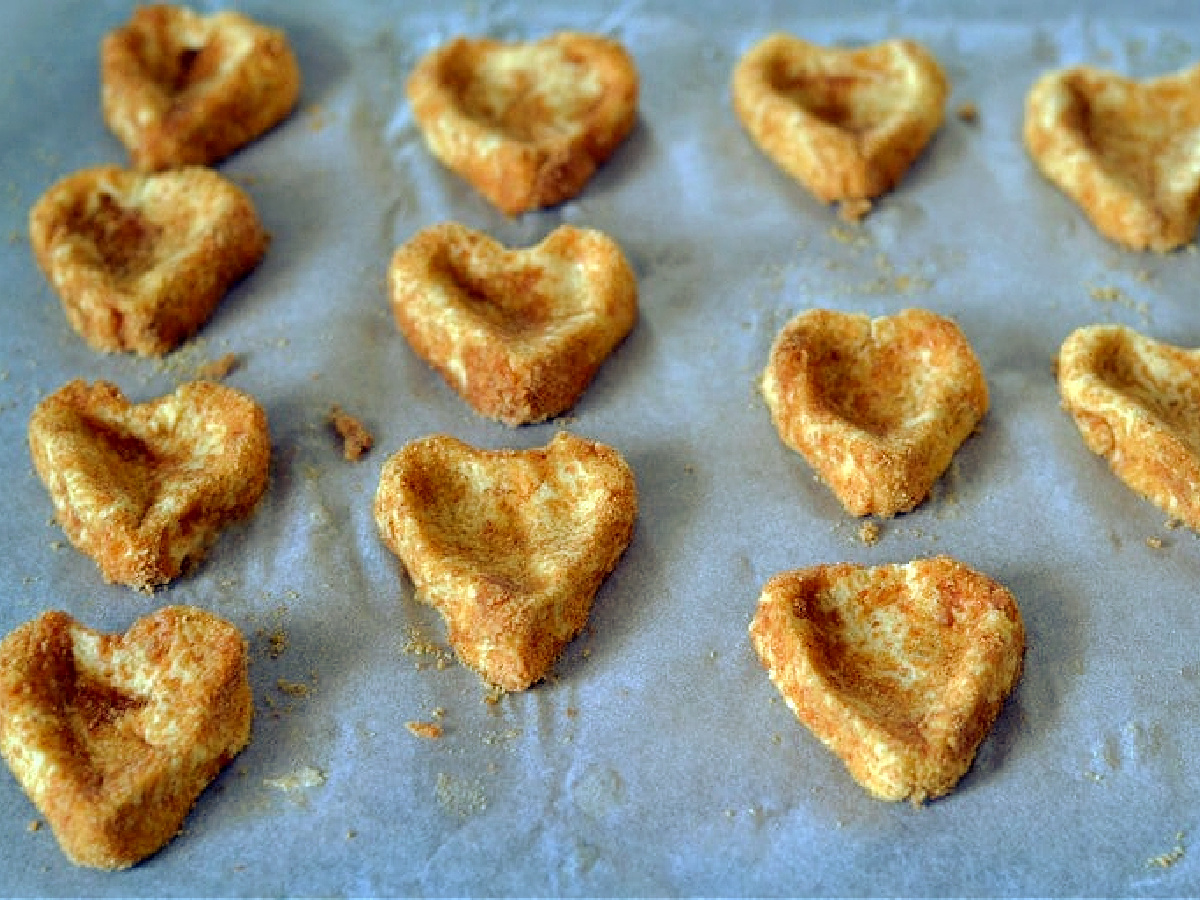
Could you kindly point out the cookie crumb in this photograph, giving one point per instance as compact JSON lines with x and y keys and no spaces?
{"x":217,"y":369}
{"x":868,"y":533}
{"x":293,"y":688}
{"x":1172,"y":856}
{"x":968,"y":112}
{"x":34,"y":825}
{"x":356,"y":440}
{"x":853,"y":210}
{"x":1154,"y":543}
{"x":429,"y":730}
{"x":304,"y":777}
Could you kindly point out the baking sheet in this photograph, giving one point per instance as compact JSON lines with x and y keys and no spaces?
{"x":657,"y":759}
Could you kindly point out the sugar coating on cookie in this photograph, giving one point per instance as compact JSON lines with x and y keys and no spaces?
{"x":845,"y":123}
{"x":113,"y":737}
{"x":144,"y":489}
{"x":510,"y":546}
{"x":900,"y":670}
{"x":1123,"y":149}
{"x":141,"y":261}
{"x":518,"y":333}
{"x":877,"y":407}
{"x":1136,"y":402}
{"x":178,"y":88}
{"x":527,"y":123}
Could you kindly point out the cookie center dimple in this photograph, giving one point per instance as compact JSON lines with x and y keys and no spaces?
{"x":876,"y":388}
{"x":100,"y":707}
{"x":512,"y":302}
{"x":1153,"y":385}
{"x":1133,"y":137}
{"x":125,"y":240}
{"x":530,"y":94}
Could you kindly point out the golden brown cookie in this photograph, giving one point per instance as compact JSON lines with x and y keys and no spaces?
{"x":847,"y":124}
{"x":1124,"y":150}
{"x":900,"y":670}
{"x":145,"y":489}
{"x":1137,"y":404}
{"x":141,"y":261}
{"x":526,"y":123}
{"x":877,"y":406}
{"x":113,"y":737}
{"x":180,"y":89}
{"x":519,"y":334}
{"x":510,"y":546}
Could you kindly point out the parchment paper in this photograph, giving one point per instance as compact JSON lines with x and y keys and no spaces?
{"x":657,"y":759}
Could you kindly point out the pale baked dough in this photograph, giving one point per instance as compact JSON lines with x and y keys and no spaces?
{"x":510,"y":546}
{"x":900,"y":670}
{"x":526,"y":123}
{"x":879,"y":406}
{"x":519,"y":334}
{"x":141,"y":261}
{"x":845,"y":123}
{"x":145,"y":489}
{"x":1124,"y":150}
{"x":179,"y":89}
{"x":1137,"y":404}
{"x":113,"y":737}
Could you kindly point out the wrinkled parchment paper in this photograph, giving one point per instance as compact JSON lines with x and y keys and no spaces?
{"x":657,"y":759}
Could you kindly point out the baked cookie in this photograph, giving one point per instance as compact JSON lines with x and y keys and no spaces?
{"x":180,"y":89}
{"x":1124,"y":150}
{"x":900,"y":670}
{"x":1137,"y":404}
{"x":113,"y":737}
{"x":145,"y":489}
{"x":141,"y":261}
{"x":525,"y":123}
{"x":519,"y":334}
{"x":847,"y":124}
{"x":510,"y":546}
{"x":877,"y":406}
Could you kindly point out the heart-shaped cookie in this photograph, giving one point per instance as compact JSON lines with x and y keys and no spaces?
{"x":900,"y":670}
{"x":510,"y":546}
{"x":180,"y":89}
{"x":845,"y":123}
{"x":525,"y":123}
{"x":877,"y":406}
{"x":1124,"y":150}
{"x":518,"y":333}
{"x":113,"y":737}
{"x":145,"y":489}
{"x":1137,"y":404}
{"x":141,"y":261}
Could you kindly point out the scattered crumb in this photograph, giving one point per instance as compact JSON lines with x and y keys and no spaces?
{"x":34,"y":825}
{"x":493,"y":695}
{"x":968,"y":112}
{"x":304,"y":777}
{"x":1172,"y":856}
{"x":1154,"y":543}
{"x":419,"y":646}
{"x":429,"y":730}
{"x":1110,"y":294}
{"x":218,"y":368}
{"x":853,"y":210}
{"x":277,"y":642}
{"x":844,"y":235}
{"x":356,"y":440}
{"x":293,"y":688}
{"x":458,"y":796}
{"x":868,"y":533}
